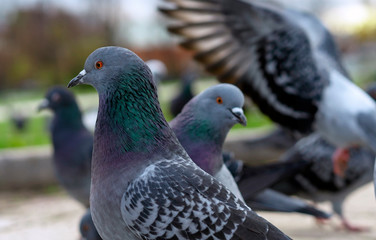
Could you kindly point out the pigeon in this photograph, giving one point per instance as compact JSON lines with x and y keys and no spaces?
{"x":286,"y":61}
{"x":185,"y":94}
{"x":87,"y":228}
{"x":202,"y":134}
{"x":202,"y":127}
{"x":144,"y":185}
{"x":72,"y":165}
{"x":256,"y":182}
{"x":318,"y":182}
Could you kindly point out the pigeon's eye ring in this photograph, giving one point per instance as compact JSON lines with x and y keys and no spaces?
{"x":219,"y":100}
{"x":99,"y":65}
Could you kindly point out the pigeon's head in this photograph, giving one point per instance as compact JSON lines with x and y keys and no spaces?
{"x":222,"y":104}
{"x":87,"y":228}
{"x":107,"y":67}
{"x":56,"y":98}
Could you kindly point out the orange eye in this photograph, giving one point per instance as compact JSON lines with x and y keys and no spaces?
{"x":219,"y":100}
{"x":99,"y":65}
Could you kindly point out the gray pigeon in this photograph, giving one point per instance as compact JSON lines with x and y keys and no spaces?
{"x":144,"y":185}
{"x":202,"y":127}
{"x":285,"y":60}
{"x":318,"y":183}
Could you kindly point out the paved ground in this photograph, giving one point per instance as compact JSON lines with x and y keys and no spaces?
{"x":38,"y":216}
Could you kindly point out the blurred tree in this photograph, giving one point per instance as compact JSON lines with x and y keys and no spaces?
{"x":42,"y":46}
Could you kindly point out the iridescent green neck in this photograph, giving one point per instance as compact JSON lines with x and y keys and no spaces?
{"x":130,"y":117}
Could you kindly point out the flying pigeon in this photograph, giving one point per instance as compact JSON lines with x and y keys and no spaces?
{"x":72,"y":165}
{"x":144,"y":185}
{"x":319,"y":183}
{"x":285,"y":60}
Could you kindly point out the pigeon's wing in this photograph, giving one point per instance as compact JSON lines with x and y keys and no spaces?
{"x":319,"y":175}
{"x":255,"y":179}
{"x":257,"y":48}
{"x":174,"y":199}
{"x":270,"y":200}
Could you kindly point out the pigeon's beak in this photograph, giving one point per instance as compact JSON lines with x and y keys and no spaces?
{"x":43,"y":105}
{"x":77,"y":80}
{"x":239,"y":114}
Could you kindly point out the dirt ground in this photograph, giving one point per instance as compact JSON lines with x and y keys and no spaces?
{"x":37,"y":216}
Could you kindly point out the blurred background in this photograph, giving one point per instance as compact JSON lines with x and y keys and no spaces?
{"x":45,"y":43}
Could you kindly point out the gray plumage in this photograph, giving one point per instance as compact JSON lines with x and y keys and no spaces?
{"x":318,"y":182}
{"x":87,"y":227}
{"x":144,"y":185}
{"x":286,"y":61}
{"x":202,"y":127}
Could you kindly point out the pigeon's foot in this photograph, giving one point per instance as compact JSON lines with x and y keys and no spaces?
{"x":340,"y":160}
{"x":353,"y":228}
{"x":321,"y":221}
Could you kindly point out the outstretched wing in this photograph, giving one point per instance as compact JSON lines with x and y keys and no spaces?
{"x":259,"y":49}
{"x":177,"y":200}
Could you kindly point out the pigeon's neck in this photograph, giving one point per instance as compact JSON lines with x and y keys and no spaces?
{"x":203,"y":142}
{"x":68,"y":117}
{"x":130,"y":125}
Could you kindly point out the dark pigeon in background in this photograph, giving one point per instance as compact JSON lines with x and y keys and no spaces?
{"x":185,"y":93}
{"x":144,"y":185}
{"x":286,"y":61}
{"x":72,"y":164}
{"x":19,"y":120}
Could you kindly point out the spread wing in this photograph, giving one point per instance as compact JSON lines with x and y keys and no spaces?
{"x":258,"y":48}
{"x":177,"y":200}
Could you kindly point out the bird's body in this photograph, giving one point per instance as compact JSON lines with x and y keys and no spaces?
{"x":285,"y":60}
{"x":202,"y":127}
{"x":318,"y":182}
{"x":144,"y":185}
{"x":72,"y":166}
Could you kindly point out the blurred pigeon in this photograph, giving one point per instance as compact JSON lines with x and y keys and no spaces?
{"x":144,"y":185}
{"x":255,"y":182}
{"x":72,"y":165}
{"x":19,"y":120}
{"x":202,"y":127}
{"x":87,"y":228}
{"x":286,"y":61}
{"x":185,"y":94}
{"x":318,"y":183}
{"x":158,"y":69}
{"x":259,"y":150}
